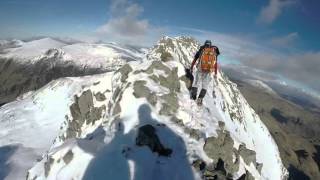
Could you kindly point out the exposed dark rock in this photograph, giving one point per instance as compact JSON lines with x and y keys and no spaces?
{"x":96,"y":83}
{"x":194,"y":133}
{"x":140,"y":90}
{"x":199,"y":165}
{"x":177,"y":120}
{"x":147,"y":137}
{"x":221,"y":124}
{"x":154,"y":78}
{"x":125,"y":70}
{"x":116,"y":93}
{"x":82,"y":110}
{"x":187,"y":78}
{"x":248,"y":155}
{"x":157,"y":65}
{"x":221,"y":147}
{"x":47,"y":166}
{"x":217,"y":172}
{"x":259,"y":167}
{"x":171,"y":81}
{"x":246,"y":176}
{"x":100,"y":97}
{"x":166,"y":56}
{"x":68,"y":157}
{"x":116,"y":109}
{"x":170,"y":106}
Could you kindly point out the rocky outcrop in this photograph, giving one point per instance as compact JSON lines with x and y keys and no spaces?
{"x":221,"y":148}
{"x":67,"y":158}
{"x":140,"y":90}
{"x":83,"y":112}
{"x":226,"y":157}
{"x":47,"y":166}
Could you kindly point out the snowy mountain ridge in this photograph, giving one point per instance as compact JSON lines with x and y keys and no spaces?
{"x":82,"y":54}
{"x":117,"y":124}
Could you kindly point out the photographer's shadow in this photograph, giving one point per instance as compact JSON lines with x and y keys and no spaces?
{"x":151,"y":150}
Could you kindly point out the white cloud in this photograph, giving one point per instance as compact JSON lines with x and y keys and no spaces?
{"x":270,"y":12}
{"x":126,"y":26}
{"x":285,"y":41}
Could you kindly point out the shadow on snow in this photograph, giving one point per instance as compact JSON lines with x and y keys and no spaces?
{"x":123,"y":159}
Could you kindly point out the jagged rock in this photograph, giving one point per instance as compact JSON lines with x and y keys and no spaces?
{"x":221,"y":147}
{"x":218,"y":172}
{"x":247,"y":154}
{"x":100,"y":97}
{"x":154,"y":78}
{"x":221,"y":124}
{"x":246,"y":176}
{"x":140,"y":90}
{"x":82,"y":110}
{"x":177,"y":120}
{"x":186,"y":81}
{"x":116,"y":109}
{"x":68,"y":157}
{"x":171,"y":104}
{"x":47,"y":166}
{"x":125,"y":70}
{"x":171,"y":81}
{"x":259,"y":167}
{"x":194,"y":133}
{"x":157,"y":65}
{"x":116,"y":93}
{"x":199,"y":165}
{"x":166,"y":56}
{"x":147,"y":137}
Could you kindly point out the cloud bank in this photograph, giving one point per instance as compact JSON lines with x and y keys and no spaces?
{"x":273,"y":10}
{"x":126,"y":26}
{"x":285,"y":41}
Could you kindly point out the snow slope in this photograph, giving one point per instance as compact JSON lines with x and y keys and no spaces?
{"x":31,"y":123}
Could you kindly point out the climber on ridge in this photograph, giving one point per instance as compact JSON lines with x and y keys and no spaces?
{"x":207,"y":64}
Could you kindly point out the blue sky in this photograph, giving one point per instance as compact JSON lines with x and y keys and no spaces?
{"x":21,"y":18}
{"x":247,"y":31}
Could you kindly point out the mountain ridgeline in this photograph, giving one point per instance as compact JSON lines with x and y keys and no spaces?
{"x":136,"y":121}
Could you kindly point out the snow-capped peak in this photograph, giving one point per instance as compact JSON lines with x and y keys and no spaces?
{"x":33,"y":48}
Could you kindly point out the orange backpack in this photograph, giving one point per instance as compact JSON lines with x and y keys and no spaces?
{"x":208,"y":59}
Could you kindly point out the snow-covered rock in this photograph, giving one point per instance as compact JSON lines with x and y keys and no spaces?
{"x":139,"y":123}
